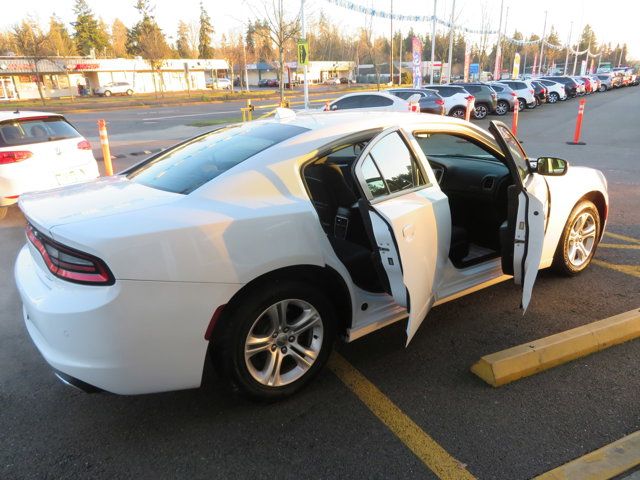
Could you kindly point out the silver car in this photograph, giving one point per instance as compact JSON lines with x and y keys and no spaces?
{"x":506,"y":98}
{"x":524,"y":92}
{"x":114,"y":88}
{"x":606,"y":82}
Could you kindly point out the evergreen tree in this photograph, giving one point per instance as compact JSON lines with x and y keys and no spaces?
{"x":206,"y":30}
{"x":88,"y":35}
{"x":184,"y":45}
{"x":59,"y":41}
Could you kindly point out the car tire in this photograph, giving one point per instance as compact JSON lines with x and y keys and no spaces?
{"x":522,"y":104}
{"x":480,"y":112}
{"x":579,"y":239}
{"x":107,"y":93}
{"x":603,"y":88}
{"x":129,"y":92}
{"x":502,"y":107}
{"x":282,"y":360}
{"x":457,"y":112}
{"x":533,"y":105}
{"x":553,"y":97}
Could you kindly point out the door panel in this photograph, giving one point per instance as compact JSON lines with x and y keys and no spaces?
{"x":524,"y":234}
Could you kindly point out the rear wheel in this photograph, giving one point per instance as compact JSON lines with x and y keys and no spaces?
{"x":107,"y":93}
{"x":502,"y":107}
{"x":276,"y":340}
{"x":553,"y":97}
{"x":579,"y":239}
{"x":129,"y":92}
{"x":521,"y":104}
{"x":603,"y":88}
{"x":457,"y":112}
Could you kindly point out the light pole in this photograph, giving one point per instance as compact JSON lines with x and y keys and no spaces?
{"x":304,"y":67}
{"x":391,"y":49}
{"x":566,"y":60}
{"x":453,"y":9}
{"x":497,"y":67}
{"x":544,"y":32}
{"x":433,"y":40}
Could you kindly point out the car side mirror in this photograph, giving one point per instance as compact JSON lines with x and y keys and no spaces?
{"x":551,"y":166}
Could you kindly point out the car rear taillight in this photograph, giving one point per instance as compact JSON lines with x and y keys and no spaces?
{"x":532,"y":91}
{"x":513,"y":94}
{"x":14,"y":156}
{"x":84,"y":145}
{"x":413,"y":107}
{"x":69,"y":264}
{"x":439,"y":102}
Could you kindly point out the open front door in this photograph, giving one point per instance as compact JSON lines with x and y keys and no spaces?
{"x":523,"y":237}
{"x":400,"y":207}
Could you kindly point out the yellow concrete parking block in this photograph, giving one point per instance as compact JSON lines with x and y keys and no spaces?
{"x":606,"y":462}
{"x":436,"y":458}
{"x":503,"y":367}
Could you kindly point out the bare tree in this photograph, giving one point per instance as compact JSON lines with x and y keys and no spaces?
{"x":280,"y":30}
{"x":154,"y":49}
{"x":31,"y":42}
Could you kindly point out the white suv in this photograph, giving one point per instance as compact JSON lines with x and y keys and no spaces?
{"x":455,"y":99}
{"x":39,"y":151}
{"x":524,"y":91}
{"x":114,"y":88}
{"x":556,"y":90}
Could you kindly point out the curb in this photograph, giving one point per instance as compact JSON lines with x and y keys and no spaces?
{"x":506,"y":366}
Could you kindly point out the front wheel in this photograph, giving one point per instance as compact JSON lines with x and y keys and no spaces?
{"x":129,"y":92}
{"x":553,"y":97}
{"x":502,"y":107}
{"x":481,"y":111}
{"x":276,"y":340}
{"x":579,"y":239}
{"x":107,"y":93}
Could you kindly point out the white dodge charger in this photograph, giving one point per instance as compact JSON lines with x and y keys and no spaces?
{"x":255,"y":245}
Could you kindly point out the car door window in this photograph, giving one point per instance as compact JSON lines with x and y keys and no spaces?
{"x":373,"y":178}
{"x":375,"y":101}
{"x":518,"y":155}
{"x":346,"y":103}
{"x":396,"y":164}
{"x":403,"y":95}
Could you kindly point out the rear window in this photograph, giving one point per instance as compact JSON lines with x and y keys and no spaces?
{"x":25,"y":131}
{"x":192,"y":164}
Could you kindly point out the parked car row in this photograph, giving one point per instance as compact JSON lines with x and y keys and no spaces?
{"x":485,"y":98}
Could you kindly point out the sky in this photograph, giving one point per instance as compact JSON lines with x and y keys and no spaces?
{"x":615,"y":23}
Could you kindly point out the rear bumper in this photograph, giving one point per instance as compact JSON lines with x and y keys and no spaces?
{"x":132,"y":337}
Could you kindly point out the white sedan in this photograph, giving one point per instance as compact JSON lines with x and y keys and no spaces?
{"x":378,"y":101}
{"x":259,"y":243}
{"x":39,"y":151}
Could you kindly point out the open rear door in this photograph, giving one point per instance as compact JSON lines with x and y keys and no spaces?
{"x":400,"y":207}
{"x":522,"y":239}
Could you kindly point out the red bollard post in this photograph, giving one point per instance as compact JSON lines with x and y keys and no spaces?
{"x":514,"y":122}
{"x":104,"y":142}
{"x":576,"y":135}
{"x":467,"y":111}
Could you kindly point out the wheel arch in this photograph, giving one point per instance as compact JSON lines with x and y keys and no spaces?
{"x":598,"y":199}
{"x":326,"y":278}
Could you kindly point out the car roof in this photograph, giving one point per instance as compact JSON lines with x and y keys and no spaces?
{"x":359,"y":94}
{"x":17,"y":114}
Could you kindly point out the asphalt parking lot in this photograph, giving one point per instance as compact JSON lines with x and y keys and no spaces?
{"x":329,"y":431}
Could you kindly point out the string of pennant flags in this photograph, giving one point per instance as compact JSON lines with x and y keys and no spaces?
{"x":373,"y":12}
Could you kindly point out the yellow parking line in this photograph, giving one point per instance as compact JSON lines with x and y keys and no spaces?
{"x":606,"y":462}
{"x":420,"y":443}
{"x":633,"y":270}
{"x":617,"y":236}
{"x":623,"y":246}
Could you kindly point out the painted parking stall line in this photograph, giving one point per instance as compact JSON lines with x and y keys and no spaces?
{"x":436,"y":458}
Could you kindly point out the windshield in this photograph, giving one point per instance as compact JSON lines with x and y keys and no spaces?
{"x":193,"y":163}
{"x":26,"y":131}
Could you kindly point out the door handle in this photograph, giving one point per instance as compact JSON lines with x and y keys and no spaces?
{"x":408,"y":231}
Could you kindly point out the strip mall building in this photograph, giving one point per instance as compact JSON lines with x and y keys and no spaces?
{"x":68,"y":76}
